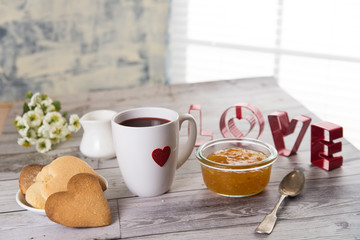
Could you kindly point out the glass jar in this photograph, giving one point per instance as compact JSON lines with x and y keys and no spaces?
{"x":240,"y":179}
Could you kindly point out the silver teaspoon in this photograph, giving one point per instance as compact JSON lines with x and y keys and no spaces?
{"x":291,"y":185}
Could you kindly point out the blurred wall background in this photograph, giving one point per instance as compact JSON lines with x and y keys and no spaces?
{"x":65,"y":46}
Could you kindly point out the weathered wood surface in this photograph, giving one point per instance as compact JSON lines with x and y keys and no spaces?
{"x":329,"y":207}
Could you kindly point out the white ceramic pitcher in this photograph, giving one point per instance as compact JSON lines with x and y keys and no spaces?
{"x":97,"y":141}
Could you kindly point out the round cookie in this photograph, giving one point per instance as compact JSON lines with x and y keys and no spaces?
{"x":55,"y":176}
{"x":33,"y":196}
{"x":28,"y":175}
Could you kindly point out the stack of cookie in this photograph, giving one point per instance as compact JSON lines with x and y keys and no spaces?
{"x":69,"y":190}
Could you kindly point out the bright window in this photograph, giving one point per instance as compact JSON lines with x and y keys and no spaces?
{"x":312,"y":47}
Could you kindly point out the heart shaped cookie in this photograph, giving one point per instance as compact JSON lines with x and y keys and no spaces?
{"x":82,"y":205}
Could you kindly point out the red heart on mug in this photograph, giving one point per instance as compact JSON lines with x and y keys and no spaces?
{"x":161,"y":156}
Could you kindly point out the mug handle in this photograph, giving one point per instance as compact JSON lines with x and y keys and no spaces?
{"x":184,"y":155}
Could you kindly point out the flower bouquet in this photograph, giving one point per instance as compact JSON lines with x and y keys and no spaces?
{"x":42,"y":124}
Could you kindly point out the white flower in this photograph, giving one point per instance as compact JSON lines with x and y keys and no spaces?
{"x":65,"y":133}
{"x":39,"y":110}
{"x":17,"y":123}
{"x":47,"y":102}
{"x":55,"y":131}
{"x":33,"y":118}
{"x":43,"y":145}
{"x":43,"y":131}
{"x":68,"y":136}
{"x":47,"y":105}
{"x":25,"y":142}
{"x":54,"y":118}
{"x":17,"y":119}
{"x":21,"y":125}
{"x":31,"y":134}
{"x":74,"y":123}
{"x":42,"y":124}
{"x":59,"y":131}
{"x":50,"y":108}
{"x":54,"y":141}
{"x":35,"y":99}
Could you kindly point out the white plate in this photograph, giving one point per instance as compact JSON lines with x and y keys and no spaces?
{"x":20,"y":199}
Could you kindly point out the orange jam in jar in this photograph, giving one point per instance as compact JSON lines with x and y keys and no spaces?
{"x":237,"y":171}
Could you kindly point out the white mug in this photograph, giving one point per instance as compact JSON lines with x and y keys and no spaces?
{"x":148,"y":156}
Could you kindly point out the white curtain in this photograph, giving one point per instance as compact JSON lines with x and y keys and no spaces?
{"x":311,"y":46}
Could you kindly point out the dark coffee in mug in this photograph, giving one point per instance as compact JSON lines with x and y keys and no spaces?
{"x":144,"y":122}
{"x":149,"y":156}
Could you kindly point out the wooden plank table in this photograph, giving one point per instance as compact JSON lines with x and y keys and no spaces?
{"x":328,"y":208}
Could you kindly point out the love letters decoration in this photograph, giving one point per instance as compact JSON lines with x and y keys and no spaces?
{"x":205,"y":133}
{"x":320,"y":141}
{"x":228,"y":129}
{"x":281,"y":127}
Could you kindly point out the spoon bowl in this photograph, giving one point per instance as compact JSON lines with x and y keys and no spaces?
{"x":291,"y":185}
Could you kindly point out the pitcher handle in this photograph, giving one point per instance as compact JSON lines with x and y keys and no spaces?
{"x":184,"y":155}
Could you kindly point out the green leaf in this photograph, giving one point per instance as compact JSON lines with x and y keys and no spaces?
{"x":25,"y":108}
{"x":65,"y":114}
{"x":28,"y":94}
{"x":43,"y":97}
{"x":57,"y":105}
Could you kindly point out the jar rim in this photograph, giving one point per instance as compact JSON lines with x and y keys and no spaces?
{"x":263,"y":163}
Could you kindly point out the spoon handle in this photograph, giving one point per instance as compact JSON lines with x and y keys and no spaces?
{"x":268,"y":223}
